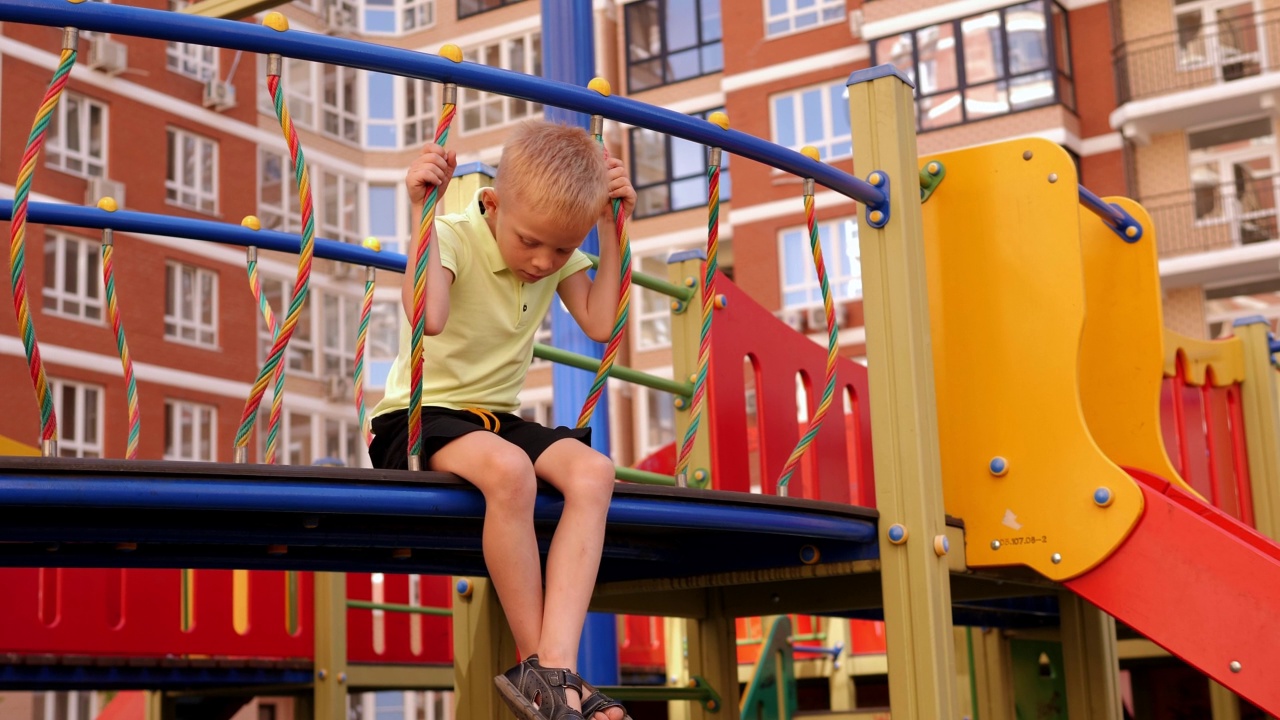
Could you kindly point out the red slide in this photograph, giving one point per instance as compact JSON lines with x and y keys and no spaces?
{"x":1201,"y":585}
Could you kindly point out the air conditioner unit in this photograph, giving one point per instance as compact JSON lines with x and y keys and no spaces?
{"x":337,"y":388}
{"x":109,"y":56}
{"x":339,"y":17}
{"x":219,"y":94}
{"x":793,"y":318}
{"x":817,"y":318}
{"x":100,"y":187}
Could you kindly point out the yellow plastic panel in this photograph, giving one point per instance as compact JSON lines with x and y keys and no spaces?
{"x":9,"y":446}
{"x":1122,"y":349}
{"x":1006,"y":303}
{"x":1226,"y":357}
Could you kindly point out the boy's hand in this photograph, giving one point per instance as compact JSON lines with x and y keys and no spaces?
{"x":620,"y":188}
{"x":434,"y":167}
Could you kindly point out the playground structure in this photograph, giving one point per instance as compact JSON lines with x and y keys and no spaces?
{"x":1014,"y":383}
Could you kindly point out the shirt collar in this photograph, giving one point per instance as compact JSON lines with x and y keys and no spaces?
{"x":488,"y":244}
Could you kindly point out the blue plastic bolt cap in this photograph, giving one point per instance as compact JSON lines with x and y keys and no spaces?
{"x":998,"y":466}
{"x":1102,"y":496}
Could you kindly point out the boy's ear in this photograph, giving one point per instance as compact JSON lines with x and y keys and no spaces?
{"x":489,"y":198}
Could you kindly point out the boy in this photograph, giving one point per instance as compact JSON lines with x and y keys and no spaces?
{"x":492,"y":274}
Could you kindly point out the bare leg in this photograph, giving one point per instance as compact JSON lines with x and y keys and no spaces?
{"x":586,"y":479}
{"x":504,"y":475}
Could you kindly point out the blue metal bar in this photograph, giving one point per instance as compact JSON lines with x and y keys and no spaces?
{"x":1124,"y":224}
{"x":161,"y":25}
{"x":261,"y":494}
{"x":186,"y":228}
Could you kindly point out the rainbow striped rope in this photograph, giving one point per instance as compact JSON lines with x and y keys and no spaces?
{"x":619,"y":318}
{"x":275,"y":357}
{"x":829,"y":390}
{"x":708,"y":307}
{"x":426,"y":231}
{"x":362,"y":339}
{"x":277,"y":397}
{"x":17,"y":242}
{"x":113,"y":312}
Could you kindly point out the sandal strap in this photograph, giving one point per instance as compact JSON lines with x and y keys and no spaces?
{"x":598,"y":702}
{"x":532,"y":676}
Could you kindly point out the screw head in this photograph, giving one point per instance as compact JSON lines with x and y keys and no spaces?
{"x":998,"y":466}
{"x":1056,"y":558}
{"x":1026,"y":155}
{"x":681,"y":403}
{"x":1235,"y":666}
{"x":1102,"y":497}
{"x":322,"y":674}
{"x":876,"y":216}
{"x":1131,"y":231}
{"x":1053,"y":177}
{"x":932,"y":168}
{"x":463,"y":588}
{"x":897,"y":534}
{"x":875,"y":179}
{"x":809,"y":555}
{"x":995,"y":544}
{"x":941,"y":545}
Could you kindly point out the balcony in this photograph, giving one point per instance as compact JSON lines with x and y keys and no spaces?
{"x":1200,"y":73}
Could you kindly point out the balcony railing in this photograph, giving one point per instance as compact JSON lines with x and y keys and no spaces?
{"x":1198,"y":54}
{"x":1215,"y":217}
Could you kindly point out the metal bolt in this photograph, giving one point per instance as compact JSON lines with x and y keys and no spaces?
{"x":1235,"y":666}
{"x":1053,"y":177}
{"x":995,"y":544}
{"x":933,"y":168}
{"x":342,"y":678}
{"x":1056,"y":558}
{"x":1026,"y":155}
{"x":322,"y":674}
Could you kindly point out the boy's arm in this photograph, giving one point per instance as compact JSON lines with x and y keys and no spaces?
{"x":594,"y":305}
{"x":432,"y":168}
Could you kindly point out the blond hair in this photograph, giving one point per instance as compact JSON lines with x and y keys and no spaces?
{"x":557,"y":168}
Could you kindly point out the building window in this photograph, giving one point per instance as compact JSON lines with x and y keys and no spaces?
{"x":302,"y":347}
{"x":381,"y":16}
{"x":189,"y":431}
{"x":383,"y":215}
{"x":658,"y":423}
{"x":339,"y":206}
{"x":384,"y":342}
{"x":72,"y":277}
{"x":467,"y":8}
{"x":670,"y":41}
{"x":654,"y":317}
{"x":999,"y":62}
{"x":77,"y":139}
{"x":786,"y":16}
{"x":192,"y":179}
{"x":340,"y":316}
{"x":670,"y":173}
{"x":79,"y":409}
{"x":420,"y":112}
{"x":840,"y":254}
{"x":278,"y":207}
{"x":191,"y":305}
{"x":298,"y":79}
{"x":343,"y":440}
{"x":1233,"y":171}
{"x":199,"y":62}
{"x":539,"y":411}
{"x":380,"y":130}
{"x":1219,"y":35}
{"x":339,"y":105}
{"x":482,"y":111}
{"x":817,"y":116}
{"x":299,"y":446}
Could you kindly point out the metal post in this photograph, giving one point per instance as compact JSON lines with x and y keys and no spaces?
{"x":1261,"y":424}
{"x":568,"y":55}
{"x":482,"y":647}
{"x":1093,"y":667}
{"x":329,"y":690}
{"x":713,"y":655}
{"x":685,"y":270}
{"x":916,"y":581}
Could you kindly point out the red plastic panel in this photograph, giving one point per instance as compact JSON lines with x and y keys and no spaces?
{"x":640,"y":643}
{"x":1200,"y":584}
{"x":384,"y":636}
{"x":744,"y":330}
{"x":866,"y":637}
{"x":1203,"y":430}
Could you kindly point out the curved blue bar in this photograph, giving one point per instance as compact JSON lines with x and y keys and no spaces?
{"x":1114,"y":215}
{"x":161,"y":25}
{"x":188,"y":229}
{"x":257,"y":494}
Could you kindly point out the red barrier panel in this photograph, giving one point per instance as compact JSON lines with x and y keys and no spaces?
{"x":640,"y":644}
{"x":386,"y":636}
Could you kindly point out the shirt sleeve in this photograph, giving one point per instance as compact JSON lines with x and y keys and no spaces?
{"x":449,"y":245}
{"x":577,"y":263}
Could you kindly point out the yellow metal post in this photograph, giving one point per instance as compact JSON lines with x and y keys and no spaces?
{"x":1092,"y":666}
{"x":1261,"y":425}
{"x":483,"y":647}
{"x":329,"y":691}
{"x":674,"y":631}
{"x":1223,"y":704}
{"x":992,"y":668}
{"x":844,"y":696}
{"x":917,"y":592}
{"x":685,"y":269}
{"x":713,"y":656}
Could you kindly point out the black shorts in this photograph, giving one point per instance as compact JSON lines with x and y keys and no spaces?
{"x":440,"y":426}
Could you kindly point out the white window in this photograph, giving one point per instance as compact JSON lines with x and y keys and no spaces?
{"x":306,"y":439}
{"x":396,"y":16}
{"x":79,"y":408}
{"x":1224,"y":35}
{"x":190,"y":431}
{"x":77,"y":139}
{"x":72,"y":277}
{"x":278,"y":207}
{"x":384,"y":342}
{"x":537,"y":410}
{"x":299,"y":79}
{"x":1234,"y":189}
{"x":199,"y":62}
{"x":73,"y":705}
{"x":654,"y":317}
{"x":191,"y":305}
{"x":381,"y":128}
{"x":420,"y":112}
{"x":339,"y":206}
{"x":481,"y":111}
{"x":383,"y":216}
{"x":302,"y":346}
{"x":817,"y":116}
{"x":192,"y":180}
{"x":340,"y":318}
{"x":785,"y":16}
{"x":344,"y":441}
{"x":339,"y":105}
{"x":840,"y":254}
{"x":657,"y":426}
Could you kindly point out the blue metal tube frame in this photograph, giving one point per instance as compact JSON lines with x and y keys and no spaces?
{"x":1124,"y":224}
{"x":161,"y":25}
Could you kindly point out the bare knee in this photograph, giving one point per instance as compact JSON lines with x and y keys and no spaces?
{"x":508,"y":482}
{"x":590,"y":479}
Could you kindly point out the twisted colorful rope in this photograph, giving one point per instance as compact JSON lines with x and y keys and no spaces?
{"x":276,"y":356}
{"x":362,"y":339}
{"x":829,"y":389}
{"x":131,"y":385}
{"x":277,"y":397}
{"x":426,"y":231}
{"x":708,"y":307}
{"x":17,"y":245}
{"x":619,"y":318}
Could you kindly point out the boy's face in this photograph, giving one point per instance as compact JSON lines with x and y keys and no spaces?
{"x":533,"y":243}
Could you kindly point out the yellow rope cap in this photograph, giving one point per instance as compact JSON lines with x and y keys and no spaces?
{"x":276,"y":21}
{"x":76,"y":2}
{"x":251,"y":222}
{"x":810,"y":152}
{"x":451,"y":52}
{"x":109,"y":204}
{"x":601,"y":86}
{"x":372,"y":243}
{"x":719,"y":118}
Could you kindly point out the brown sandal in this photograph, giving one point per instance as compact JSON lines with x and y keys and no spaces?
{"x":537,"y":693}
{"x":599,"y":702}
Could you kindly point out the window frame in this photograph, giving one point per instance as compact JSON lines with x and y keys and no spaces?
{"x":176,"y":188}
{"x":204,"y":417}
{"x":203,"y":59}
{"x":826,"y":147}
{"x":811,"y":284}
{"x":173,"y":270}
{"x":71,"y":437}
{"x":59,"y":296}
{"x":58,"y":155}
{"x":789,"y":15}
{"x":470,"y":100}
{"x":501,"y":4}
{"x":669,"y":180}
{"x":400,"y":11}
{"x":661,"y":58}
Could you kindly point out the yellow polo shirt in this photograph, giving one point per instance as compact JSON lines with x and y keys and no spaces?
{"x":481,"y":358}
